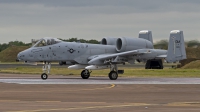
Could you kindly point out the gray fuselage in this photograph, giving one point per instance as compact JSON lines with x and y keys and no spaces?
{"x":76,"y":52}
{"x":66,"y":51}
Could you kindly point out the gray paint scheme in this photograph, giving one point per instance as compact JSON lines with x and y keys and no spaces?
{"x":97,"y":54}
{"x":176,"y":48}
{"x":145,"y":34}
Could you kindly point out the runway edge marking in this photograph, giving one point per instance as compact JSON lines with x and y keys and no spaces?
{"x":92,"y":107}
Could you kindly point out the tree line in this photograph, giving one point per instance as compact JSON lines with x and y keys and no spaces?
{"x":20,"y":43}
{"x":162,"y":44}
{"x":13,"y":43}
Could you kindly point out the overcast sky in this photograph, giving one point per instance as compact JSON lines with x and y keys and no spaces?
{"x":24,"y":20}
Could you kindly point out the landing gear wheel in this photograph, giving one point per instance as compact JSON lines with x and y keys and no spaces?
{"x":85,"y":74}
{"x":44,"y":76}
{"x":113,"y":75}
{"x":154,"y":64}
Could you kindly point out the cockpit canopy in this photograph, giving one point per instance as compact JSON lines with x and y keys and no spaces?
{"x":47,"y":41}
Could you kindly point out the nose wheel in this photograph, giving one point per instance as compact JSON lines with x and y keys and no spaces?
{"x":85,"y":74}
{"x":46,"y":70}
{"x":44,"y":76}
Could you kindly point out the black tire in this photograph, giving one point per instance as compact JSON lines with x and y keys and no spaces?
{"x":85,"y":75}
{"x":44,"y":76}
{"x":113,"y":75}
{"x":154,"y":64}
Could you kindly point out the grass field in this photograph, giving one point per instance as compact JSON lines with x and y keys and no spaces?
{"x":129,"y":72}
{"x":10,"y":54}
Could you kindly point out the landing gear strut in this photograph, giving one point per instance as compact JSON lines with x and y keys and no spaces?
{"x":85,"y":74}
{"x":46,"y":70}
{"x":113,"y":75}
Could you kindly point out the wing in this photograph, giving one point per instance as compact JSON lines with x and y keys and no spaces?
{"x":97,"y":59}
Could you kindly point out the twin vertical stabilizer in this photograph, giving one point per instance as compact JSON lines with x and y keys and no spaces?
{"x":176,"y":47}
{"x":146,"y":34}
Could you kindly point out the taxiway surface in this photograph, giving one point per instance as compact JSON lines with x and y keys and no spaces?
{"x":28,"y":93}
{"x":102,"y":80}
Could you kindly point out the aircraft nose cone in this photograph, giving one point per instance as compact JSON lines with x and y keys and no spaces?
{"x":19,"y":56}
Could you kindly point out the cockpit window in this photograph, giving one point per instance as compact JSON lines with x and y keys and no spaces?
{"x":46,"y":42}
{"x":41,"y":43}
{"x":52,"y":41}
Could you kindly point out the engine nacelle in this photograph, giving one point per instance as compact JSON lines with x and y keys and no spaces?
{"x":109,"y":41}
{"x":127,"y":44}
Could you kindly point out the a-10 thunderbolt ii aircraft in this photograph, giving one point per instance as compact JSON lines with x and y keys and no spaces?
{"x":107,"y":55}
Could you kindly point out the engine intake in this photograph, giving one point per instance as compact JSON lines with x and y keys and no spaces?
{"x":108,"y":41}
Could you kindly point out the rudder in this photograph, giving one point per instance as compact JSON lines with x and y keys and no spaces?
{"x":176,"y":47}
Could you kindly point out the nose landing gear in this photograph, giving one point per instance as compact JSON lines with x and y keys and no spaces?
{"x":46,"y":70}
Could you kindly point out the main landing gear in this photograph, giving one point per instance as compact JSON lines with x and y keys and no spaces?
{"x":46,"y":70}
{"x":113,"y":75}
{"x":154,"y":64}
{"x":85,"y":74}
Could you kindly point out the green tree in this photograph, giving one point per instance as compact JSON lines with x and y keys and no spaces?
{"x":193,"y":43}
{"x":13,"y":43}
{"x":162,"y":44}
{"x":3,"y":46}
{"x":92,"y":41}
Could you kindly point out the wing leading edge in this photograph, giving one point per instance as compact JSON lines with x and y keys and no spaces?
{"x":96,"y":59}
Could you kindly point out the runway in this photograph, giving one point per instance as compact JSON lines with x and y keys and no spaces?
{"x":101,"y":80}
{"x":29,"y":93}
